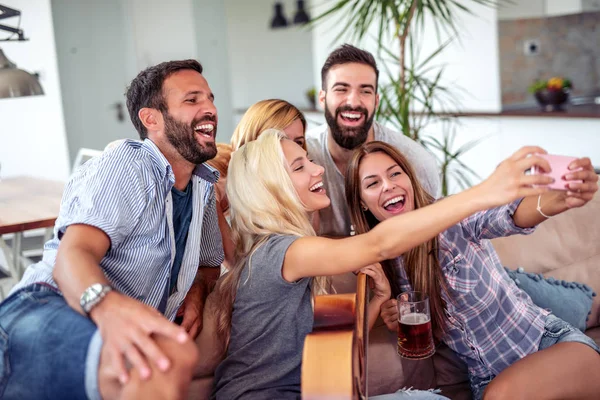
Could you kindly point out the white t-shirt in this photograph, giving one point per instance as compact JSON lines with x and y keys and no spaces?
{"x":335,"y":219}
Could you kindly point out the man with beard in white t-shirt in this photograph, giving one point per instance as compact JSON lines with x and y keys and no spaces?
{"x":349,"y":96}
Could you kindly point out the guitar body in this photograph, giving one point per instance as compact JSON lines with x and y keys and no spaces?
{"x":334,"y":360}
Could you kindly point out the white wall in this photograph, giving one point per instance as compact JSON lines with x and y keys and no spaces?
{"x":517,"y":9}
{"x":184,"y":29}
{"x":211,"y":37}
{"x":32,"y":131}
{"x":96,"y":61}
{"x":162,"y":31}
{"x":267,"y":63}
{"x":133,"y":35}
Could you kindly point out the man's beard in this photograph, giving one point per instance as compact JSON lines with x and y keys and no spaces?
{"x":346,"y":137}
{"x":183,"y":138}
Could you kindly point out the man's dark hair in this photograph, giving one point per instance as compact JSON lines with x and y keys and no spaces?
{"x":146,"y":89}
{"x":346,"y":54}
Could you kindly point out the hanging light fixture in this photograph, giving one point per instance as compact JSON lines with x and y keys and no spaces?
{"x":301,"y":17}
{"x":278,"y":20}
{"x":15,"y":82}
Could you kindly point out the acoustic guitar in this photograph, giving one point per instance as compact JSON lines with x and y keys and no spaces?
{"x":334,"y":361}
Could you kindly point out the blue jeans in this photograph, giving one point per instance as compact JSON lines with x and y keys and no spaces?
{"x":48,"y":350}
{"x":555,"y":331}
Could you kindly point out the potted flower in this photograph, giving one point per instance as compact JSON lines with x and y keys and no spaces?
{"x":551,"y":94}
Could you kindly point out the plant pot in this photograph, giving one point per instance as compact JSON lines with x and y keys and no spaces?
{"x":552,"y":100}
{"x":312,"y":101}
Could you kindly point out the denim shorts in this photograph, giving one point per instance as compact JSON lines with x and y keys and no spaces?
{"x":48,"y":350}
{"x":411,"y":394}
{"x":555,"y":331}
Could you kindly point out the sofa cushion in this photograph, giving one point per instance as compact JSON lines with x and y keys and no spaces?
{"x":569,"y":301}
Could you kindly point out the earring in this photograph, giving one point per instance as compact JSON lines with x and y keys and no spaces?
{"x":365,"y":208}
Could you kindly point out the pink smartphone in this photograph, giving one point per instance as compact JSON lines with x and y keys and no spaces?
{"x":560,"y":167}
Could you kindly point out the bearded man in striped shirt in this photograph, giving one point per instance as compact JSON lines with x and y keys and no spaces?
{"x":135,"y":242}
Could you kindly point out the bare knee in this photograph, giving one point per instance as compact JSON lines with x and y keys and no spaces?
{"x":502,"y":389}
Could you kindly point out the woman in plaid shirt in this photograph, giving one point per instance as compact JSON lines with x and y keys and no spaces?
{"x":476,"y":309}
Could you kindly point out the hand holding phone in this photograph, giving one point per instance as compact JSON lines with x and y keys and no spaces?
{"x":560,"y":167}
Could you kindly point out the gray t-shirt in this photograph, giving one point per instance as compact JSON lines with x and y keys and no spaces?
{"x":271,"y":317}
{"x":335,"y":219}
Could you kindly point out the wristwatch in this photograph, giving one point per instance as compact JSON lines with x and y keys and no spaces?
{"x":92,"y":296}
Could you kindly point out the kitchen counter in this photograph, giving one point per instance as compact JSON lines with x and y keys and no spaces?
{"x":570,"y":111}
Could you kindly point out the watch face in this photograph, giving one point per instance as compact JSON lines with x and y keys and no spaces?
{"x":91,"y":293}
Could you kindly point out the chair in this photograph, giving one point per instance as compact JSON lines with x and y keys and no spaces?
{"x":7,"y":270}
{"x":83,"y":155}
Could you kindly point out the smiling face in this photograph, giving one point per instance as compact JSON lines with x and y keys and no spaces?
{"x":350,"y":100}
{"x":307,"y":177}
{"x":385,"y":189}
{"x":295,"y":132}
{"x":190,"y":122}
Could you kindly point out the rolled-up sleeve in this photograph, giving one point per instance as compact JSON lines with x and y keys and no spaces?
{"x":110,"y":198}
{"x":494,"y":223}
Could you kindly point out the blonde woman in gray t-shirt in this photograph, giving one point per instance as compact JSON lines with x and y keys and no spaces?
{"x":262,"y":307}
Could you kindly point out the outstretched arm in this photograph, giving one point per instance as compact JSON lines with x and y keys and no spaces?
{"x":316,"y":256}
{"x":556,"y":202}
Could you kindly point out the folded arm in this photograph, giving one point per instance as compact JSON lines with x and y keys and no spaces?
{"x":126,"y":325}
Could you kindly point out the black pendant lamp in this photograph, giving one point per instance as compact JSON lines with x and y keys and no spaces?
{"x":301,"y":17}
{"x":15,"y":82}
{"x":279,"y":20}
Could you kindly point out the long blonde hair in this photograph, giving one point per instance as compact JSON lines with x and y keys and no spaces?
{"x":266,"y":114}
{"x":421,"y":263}
{"x":263,"y":202}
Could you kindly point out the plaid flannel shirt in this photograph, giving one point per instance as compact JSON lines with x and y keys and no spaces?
{"x":491,"y":323}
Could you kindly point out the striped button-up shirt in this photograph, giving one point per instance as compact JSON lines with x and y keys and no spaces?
{"x":491,"y":322}
{"x":126,"y":193}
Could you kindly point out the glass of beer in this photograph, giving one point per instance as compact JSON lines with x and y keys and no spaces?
{"x":415,"y":337}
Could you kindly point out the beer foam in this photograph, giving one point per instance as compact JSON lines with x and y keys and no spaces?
{"x":414,"y":319}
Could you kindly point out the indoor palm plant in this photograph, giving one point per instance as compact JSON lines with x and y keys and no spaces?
{"x":412,"y":96}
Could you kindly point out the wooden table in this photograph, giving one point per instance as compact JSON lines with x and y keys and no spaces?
{"x":26,"y":203}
